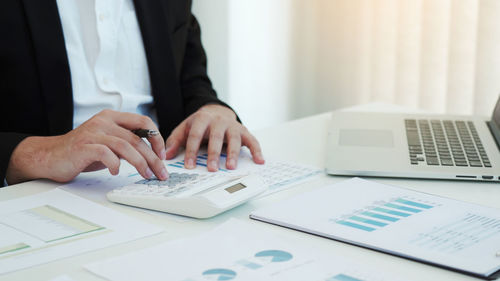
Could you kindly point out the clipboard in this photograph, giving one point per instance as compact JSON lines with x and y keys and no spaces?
{"x":370,"y":215}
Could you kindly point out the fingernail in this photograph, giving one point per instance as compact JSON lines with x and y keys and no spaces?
{"x":163,"y":154}
{"x":231,"y":163}
{"x":149,"y":173}
{"x":190,"y":163}
{"x":164,"y":174}
{"x":260,"y":156}
{"x":213,"y":165}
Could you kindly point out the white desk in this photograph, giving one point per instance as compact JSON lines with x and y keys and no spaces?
{"x":299,"y":141}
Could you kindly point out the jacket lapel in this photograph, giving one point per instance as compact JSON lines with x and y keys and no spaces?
{"x":154,"y":26}
{"x":53,"y":66}
{"x":52,"y":61}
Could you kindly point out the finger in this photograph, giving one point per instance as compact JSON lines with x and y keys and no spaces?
{"x":154,"y":163}
{"x":233,"y":147}
{"x":176,"y":139}
{"x":158,"y":145}
{"x":215,"y":142}
{"x":132,"y":121}
{"x":101,"y":153}
{"x":252,"y":143}
{"x":126,"y":151}
{"x":95,"y":166}
{"x":195,"y":136}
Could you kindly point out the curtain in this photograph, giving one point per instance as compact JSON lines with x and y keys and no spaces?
{"x":283,"y":59}
{"x":441,"y":56}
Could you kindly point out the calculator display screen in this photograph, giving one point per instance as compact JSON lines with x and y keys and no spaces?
{"x":234,"y":188}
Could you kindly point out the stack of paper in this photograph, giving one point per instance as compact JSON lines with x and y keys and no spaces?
{"x":56,"y":224}
{"x":233,"y":251}
{"x":277,"y":175}
{"x":444,"y":232}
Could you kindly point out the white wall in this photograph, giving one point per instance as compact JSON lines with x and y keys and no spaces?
{"x":214,"y":21}
{"x":259,"y":60}
{"x":249,"y":58}
{"x":282,"y":59}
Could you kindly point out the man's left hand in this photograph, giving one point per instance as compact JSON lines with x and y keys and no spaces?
{"x":218,"y":125}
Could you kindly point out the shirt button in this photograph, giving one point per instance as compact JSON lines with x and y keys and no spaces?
{"x":105,"y":81}
{"x":102,"y":17}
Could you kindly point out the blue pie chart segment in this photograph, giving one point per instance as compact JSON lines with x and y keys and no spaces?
{"x":274,"y":255}
{"x":219,"y":274}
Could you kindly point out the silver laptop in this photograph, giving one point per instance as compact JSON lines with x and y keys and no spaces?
{"x":415,"y":146}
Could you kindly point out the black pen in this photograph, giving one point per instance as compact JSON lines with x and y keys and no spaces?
{"x":145,"y":133}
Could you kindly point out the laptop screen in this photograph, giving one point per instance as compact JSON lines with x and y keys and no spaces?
{"x":495,"y":122}
{"x":496,"y":114}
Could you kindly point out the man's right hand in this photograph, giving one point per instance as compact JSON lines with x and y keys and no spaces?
{"x":98,"y":143}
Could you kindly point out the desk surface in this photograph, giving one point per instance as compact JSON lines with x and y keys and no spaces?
{"x":301,"y":141}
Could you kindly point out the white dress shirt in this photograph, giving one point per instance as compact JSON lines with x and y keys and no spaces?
{"x":106,"y":57}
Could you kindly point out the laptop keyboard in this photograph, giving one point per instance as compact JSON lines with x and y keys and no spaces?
{"x":445,"y":143}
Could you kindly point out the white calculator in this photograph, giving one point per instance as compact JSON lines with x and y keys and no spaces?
{"x":198,"y":195}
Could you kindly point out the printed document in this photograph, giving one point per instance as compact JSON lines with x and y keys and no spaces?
{"x":56,"y":224}
{"x":419,"y":226}
{"x":277,"y":175}
{"x":235,"y":250}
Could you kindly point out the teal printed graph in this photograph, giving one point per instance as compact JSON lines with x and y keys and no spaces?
{"x":201,"y":160}
{"x":343,"y":277}
{"x":265,"y":258}
{"x":249,"y":264}
{"x":274,"y":256}
{"x":382,"y":214}
{"x":219,"y":274}
{"x":262,"y":259}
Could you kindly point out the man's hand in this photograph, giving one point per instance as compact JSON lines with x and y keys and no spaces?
{"x":98,"y":143}
{"x":218,"y":125}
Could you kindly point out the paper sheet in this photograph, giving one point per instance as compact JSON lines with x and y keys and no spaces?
{"x":62,"y":278}
{"x":95,"y":185}
{"x":235,"y":250}
{"x":396,"y":220}
{"x":277,"y":175}
{"x":56,"y":224}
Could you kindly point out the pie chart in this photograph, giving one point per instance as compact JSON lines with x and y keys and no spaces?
{"x":219,"y":274}
{"x":274,"y":256}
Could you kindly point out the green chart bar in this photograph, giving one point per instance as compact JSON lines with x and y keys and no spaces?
{"x":355,"y":225}
{"x":379,"y":216}
{"x":368,"y":221}
{"x":413,"y":203}
{"x":387,"y":211}
{"x":403,"y":208}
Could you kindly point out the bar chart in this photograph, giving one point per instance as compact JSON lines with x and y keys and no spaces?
{"x":39,"y":227}
{"x":201,"y":160}
{"x":383,"y":213}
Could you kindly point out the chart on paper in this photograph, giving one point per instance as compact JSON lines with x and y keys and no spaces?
{"x":56,"y":224}
{"x":348,"y":277}
{"x":201,"y":160}
{"x":40,"y":226}
{"x":384,"y":213}
{"x":220,"y":255}
{"x":438,"y":230}
{"x":275,"y":174}
{"x":458,"y":235}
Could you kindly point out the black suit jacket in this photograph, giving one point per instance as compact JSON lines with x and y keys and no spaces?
{"x":35,"y":81}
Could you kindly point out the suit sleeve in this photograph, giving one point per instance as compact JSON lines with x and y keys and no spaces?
{"x":196,"y":87}
{"x":7,"y":146}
